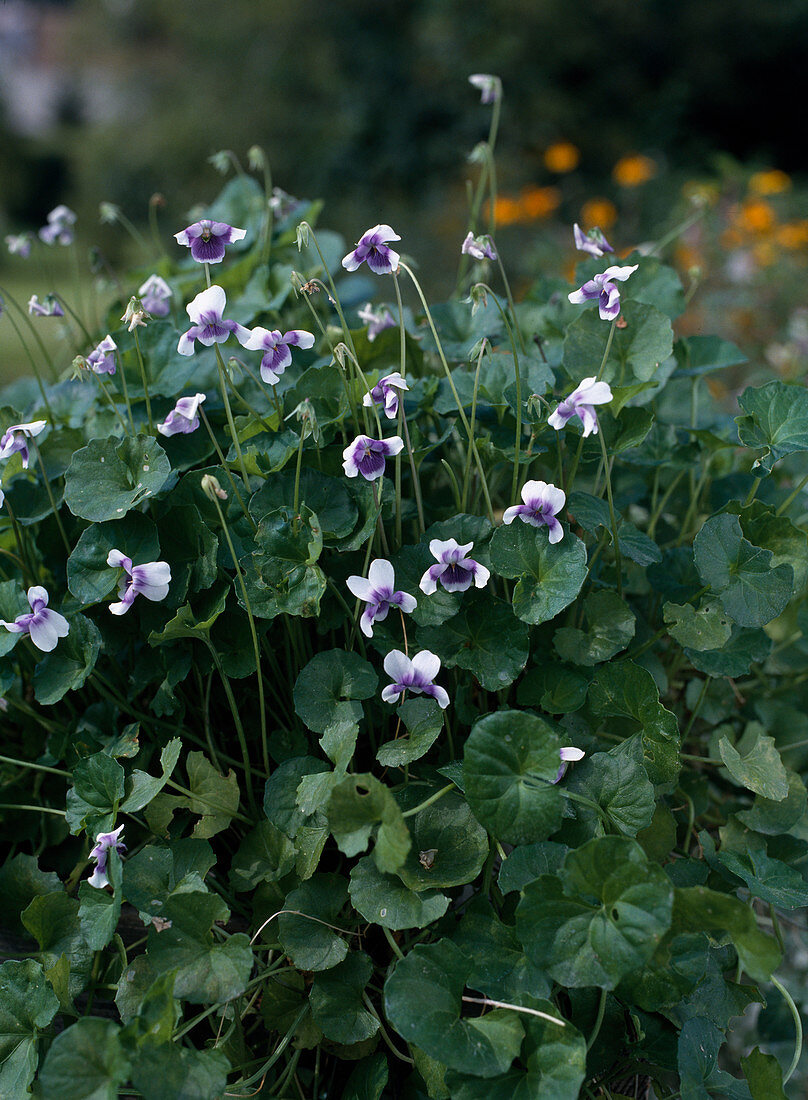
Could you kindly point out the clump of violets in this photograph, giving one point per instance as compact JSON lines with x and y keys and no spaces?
{"x":455,"y":571}
{"x":49,"y":308}
{"x":568,"y":755}
{"x":184,"y":417}
{"x":207,"y":239}
{"x":371,"y":248}
{"x":379,"y":593}
{"x":592,"y":241}
{"x":581,"y":403}
{"x":367,"y":456}
{"x":386,"y":393}
{"x":377,"y":320}
{"x":210,"y":327}
{"x":276,"y":347}
{"x":16,"y":439}
{"x":155,"y":295}
{"x":480,"y":248}
{"x":490,"y":86}
{"x":601,"y":288}
{"x":19,"y":244}
{"x":150,"y":580}
{"x":416,"y":675}
{"x":43,"y":626}
{"x":541,"y":504}
{"x":101,"y":359}
{"x":104,"y":844}
{"x":59,"y":229}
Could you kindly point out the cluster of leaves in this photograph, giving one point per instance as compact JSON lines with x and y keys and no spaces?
{"x":329,"y":894}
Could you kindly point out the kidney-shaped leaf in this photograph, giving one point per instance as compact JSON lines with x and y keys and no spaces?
{"x":550,"y":576}
{"x":109,"y":476}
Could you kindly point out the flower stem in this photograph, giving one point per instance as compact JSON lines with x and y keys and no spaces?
{"x":245,"y":755}
{"x":226,"y":468}
{"x":467,"y":470}
{"x":795,"y":1014}
{"x":618,"y":560}
{"x":49,"y":491}
{"x":229,"y":413}
{"x":598,"y":1020}
{"x":34,"y":367}
{"x":429,"y":801}
{"x":518,"y":439}
{"x":145,"y":382}
{"x":296,"y":501}
{"x":606,"y":351}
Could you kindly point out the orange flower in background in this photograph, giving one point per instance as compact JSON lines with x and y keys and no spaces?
{"x":561,"y":157}
{"x":539,"y":202}
{"x":506,"y":210}
{"x":793,"y":235}
{"x":770,"y":182}
{"x":634,"y":170}
{"x":600,"y":212}
{"x":755,"y":216}
{"x":687,"y":257}
{"x":764,"y":253}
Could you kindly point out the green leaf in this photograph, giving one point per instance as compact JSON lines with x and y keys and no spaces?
{"x":69,"y":665}
{"x":769,"y":879}
{"x":773,"y":817}
{"x":109,"y":476}
{"x":750,"y":589}
{"x":27,"y":1004}
{"x":760,"y":770}
{"x":699,"y":1075}
{"x":526,"y":862}
{"x":423,"y":721}
{"x":281,"y":576}
{"x":207,"y":970}
{"x":98,"y":788}
{"x":385,"y":900}
{"x":89,"y":577}
{"x":673,"y":971}
{"x":500,"y":968}
{"x":763,"y":1075}
{"x":610,"y":627}
{"x":193,"y":621}
{"x":601,"y":919}
{"x":698,"y":909}
{"x":554,"y":688}
{"x":98,"y":910}
{"x":636,"y":351}
{"x":328,"y":690}
{"x":20,"y":882}
{"x":357,"y":806}
{"x":312,"y":944}
{"x":173,"y":1072}
{"x":280,"y":793}
{"x":484,"y":638}
{"x":326,"y":496}
{"x":550,"y":575}
{"x":422,"y":1000}
{"x":448,"y":846}
{"x":214,"y":797}
{"x":776,"y":420}
{"x":336,"y":1000}
{"x":788,"y":544}
{"x":158,"y":1011}
{"x":368,"y":1080}
{"x":618,"y":783}
{"x":53,"y":921}
{"x":142,"y":787}
{"x":708,"y":353}
{"x":85,"y":1062}
{"x":510,"y":764}
{"x":264,"y":855}
{"x":736,"y":657}
{"x":700,"y":628}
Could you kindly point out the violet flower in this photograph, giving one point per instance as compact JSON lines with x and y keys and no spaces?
{"x":49,"y":308}
{"x":210,"y":327}
{"x":104,"y":843}
{"x":416,"y":675}
{"x":16,"y":438}
{"x":150,"y":580}
{"x":276,"y":345}
{"x":184,"y":417}
{"x":481,"y":248}
{"x":602,"y":289}
{"x":454,"y":570}
{"x":366,"y":456}
{"x":581,"y":403}
{"x":154,"y":295}
{"x":371,"y":246}
{"x":542,"y":503}
{"x":490,"y":86}
{"x":101,"y":359}
{"x":60,"y":226}
{"x":206,"y":240}
{"x":592,"y":242}
{"x":43,"y":626}
{"x":377,"y":320}
{"x":385,"y":393}
{"x":567,"y":754}
{"x":19,"y":244}
{"x":378,"y":591}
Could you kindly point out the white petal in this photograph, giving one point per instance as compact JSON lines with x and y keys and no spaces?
{"x":382,"y":575}
{"x":398,"y":665}
{"x":571,"y":753}
{"x":427,"y":664}
{"x":213,"y":300}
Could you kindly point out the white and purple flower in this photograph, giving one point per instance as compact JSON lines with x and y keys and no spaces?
{"x":150,"y":580}
{"x":43,"y":626}
{"x":490,"y":86}
{"x":542,"y":503}
{"x":49,"y":308}
{"x":104,"y":843}
{"x":207,"y":240}
{"x":372,"y":247}
{"x":581,"y":403}
{"x":367,"y":456}
{"x":184,"y":417}
{"x":379,"y":593}
{"x":101,"y":359}
{"x":386,"y":393}
{"x":59,"y":229}
{"x":16,"y":438}
{"x":416,"y":675}
{"x":210,"y":327}
{"x":19,"y":244}
{"x":454,"y":570}
{"x":592,"y":242}
{"x":154,"y":296}
{"x":601,"y":288}
{"x":276,"y":347}
{"x":481,"y":248}
{"x":377,"y":320}
{"x":567,"y":754}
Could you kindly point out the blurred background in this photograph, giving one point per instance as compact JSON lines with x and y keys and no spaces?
{"x":620,"y":113}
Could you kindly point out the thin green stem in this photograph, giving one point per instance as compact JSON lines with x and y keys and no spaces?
{"x":35,"y":767}
{"x":618,"y":560}
{"x":229,"y":414}
{"x":112,"y":404}
{"x":695,"y":712}
{"x":792,"y":496}
{"x":511,"y":303}
{"x":51,"y":498}
{"x":34,"y":367}
{"x":245,"y":754}
{"x":388,"y":935}
{"x":473,"y":424}
{"x":750,"y":496}
{"x":795,"y":1015}
{"x":144,"y":380}
{"x":598,"y":1020}
{"x":429,"y":801}
{"x":226,"y":468}
{"x":296,"y":501}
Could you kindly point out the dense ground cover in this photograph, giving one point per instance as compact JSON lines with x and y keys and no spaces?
{"x":399,"y":699}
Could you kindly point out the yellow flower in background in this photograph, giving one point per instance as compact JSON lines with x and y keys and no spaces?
{"x":634,"y":170}
{"x":755,"y":216}
{"x":600,"y":212}
{"x":539,"y":202}
{"x":792,"y":235}
{"x":764,"y":253}
{"x":770,"y":182}
{"x":562,"y":157}
{"x":687,"y":257}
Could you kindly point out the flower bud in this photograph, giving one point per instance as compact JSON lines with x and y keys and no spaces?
{"x":212,"y":489}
